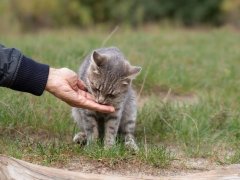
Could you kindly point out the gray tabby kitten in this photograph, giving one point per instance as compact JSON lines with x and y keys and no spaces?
{"x":108,"y":77}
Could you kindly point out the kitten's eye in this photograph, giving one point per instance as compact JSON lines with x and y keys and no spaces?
{"x":95,"y":89}
{"x":111,"y":96}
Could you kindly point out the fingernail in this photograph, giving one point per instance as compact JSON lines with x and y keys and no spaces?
{"x":112,"y":109}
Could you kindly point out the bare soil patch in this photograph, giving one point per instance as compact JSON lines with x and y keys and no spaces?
{"x":179,"y":167}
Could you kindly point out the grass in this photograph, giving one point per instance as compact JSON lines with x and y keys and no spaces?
{"x":204,"y":63}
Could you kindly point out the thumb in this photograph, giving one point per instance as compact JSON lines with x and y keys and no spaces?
{"x":81,"y":85}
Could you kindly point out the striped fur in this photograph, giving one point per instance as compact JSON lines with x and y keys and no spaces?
{"x":108,"y":76}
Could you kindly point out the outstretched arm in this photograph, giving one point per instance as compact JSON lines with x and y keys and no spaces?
{"x":21,"y":73}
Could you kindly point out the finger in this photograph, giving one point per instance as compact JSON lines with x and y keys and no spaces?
{"x":86,"y":95}
{"x":81,"y":85}
{"x":97,"y":107}
{"x":75,"y":87}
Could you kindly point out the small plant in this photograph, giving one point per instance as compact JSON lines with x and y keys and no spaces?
{"x":158,"y":156}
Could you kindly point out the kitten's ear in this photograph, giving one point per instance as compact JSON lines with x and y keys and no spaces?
{"x":98,"y":58}
{"x":132,"y":74}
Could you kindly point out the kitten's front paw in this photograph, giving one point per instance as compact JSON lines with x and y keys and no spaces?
{"x":107,"y":147}
{"x":131,"y":145}
{"x":80,"y":138}
{"x":108,"y":144}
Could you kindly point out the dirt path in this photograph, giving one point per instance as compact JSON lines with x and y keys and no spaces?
{"x":11,"y":168}
{"x":176,"y":168}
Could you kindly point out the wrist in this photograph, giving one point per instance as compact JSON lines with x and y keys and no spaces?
{"x":50,"y":86}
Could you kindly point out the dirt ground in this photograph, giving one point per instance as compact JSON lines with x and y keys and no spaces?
{"x":177,"y":167}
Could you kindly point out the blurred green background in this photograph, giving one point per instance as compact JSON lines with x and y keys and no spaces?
{"x":30,"y":15}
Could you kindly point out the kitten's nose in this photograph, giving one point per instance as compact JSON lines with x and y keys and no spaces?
{"x":101,"y":100}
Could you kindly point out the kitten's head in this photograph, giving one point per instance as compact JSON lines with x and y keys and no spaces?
{"x":109,"y":77}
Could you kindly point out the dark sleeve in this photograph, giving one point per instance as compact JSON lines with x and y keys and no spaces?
{"x":21,"y":73}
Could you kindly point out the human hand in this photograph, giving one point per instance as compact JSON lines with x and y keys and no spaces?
{"x":65,"y":85}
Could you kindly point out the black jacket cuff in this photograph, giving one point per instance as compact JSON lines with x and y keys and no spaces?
{"x":31,"y":77}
